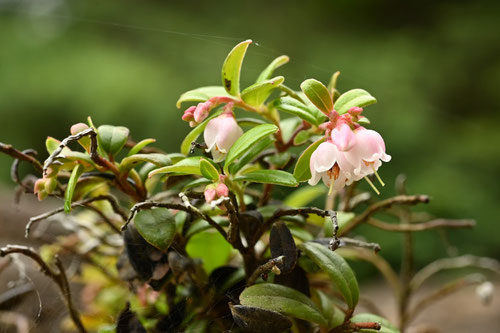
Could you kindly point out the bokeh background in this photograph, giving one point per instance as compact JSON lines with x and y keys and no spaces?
{"x":434,"y":67}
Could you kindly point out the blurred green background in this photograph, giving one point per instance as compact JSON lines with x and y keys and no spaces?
{"x":434,"y":67}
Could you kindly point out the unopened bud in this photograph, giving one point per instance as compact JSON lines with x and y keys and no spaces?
{"x":50,"y":185}
{"x":77,"y":128}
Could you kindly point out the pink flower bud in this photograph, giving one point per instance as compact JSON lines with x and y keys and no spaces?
{"x":189,"y":114}
{"x":343,"y":136}
{"x":220,"y":134}
{"x":202,"y":111}
{"x":39,"y":189}
{"x":77,"y":128}
{"x":355,"y":111}
{"x":222,"y":190}
{"x":210,"y":193}
{"x":50,"y":185}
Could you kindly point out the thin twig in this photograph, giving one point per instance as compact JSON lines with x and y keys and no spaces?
{"x":109,"y":198}
{"x":345,"y":241}
{"x":233,"y":235}
{"x":453,"y":263}
{"x":433,"y":224}
{"x":264,"y":268}
{"x":186,"y":208}
{"x":59,"y":277}
{"x":11,"y":151}
{"x":398,"y":200}
{"x":14,"y":170}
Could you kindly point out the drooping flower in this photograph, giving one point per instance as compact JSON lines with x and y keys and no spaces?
{"x":330,"y":164}
{"x":342,"y":136}
{"x":220,"y":134}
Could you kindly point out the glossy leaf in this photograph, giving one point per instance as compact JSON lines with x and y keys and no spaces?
{"x":139,"y":145}
{"x":246,"y":141}
{"x":269,"y":176}
{"x":302,"y":170}
{"x":257,"y":93}
{"x":70,"y":188}
{"x":51,"y":144}
{"x":254,"y":319}
{"x":196,"y":183}
{"x":352,"y":98}
{"x":232,"y":67}
{"x":282,"y":299}
{"x":304,"y":195}
{"x":111,"y":139}
{"x":156,"y":159}
{"x":208,"y":170}
{"x":156,"y":226}
{"x":251,"y":154}
{"x":318,"y":94}
{"x":211,"y":248}
{"x":268,"y":72}
{"x":195,"y":133}
{"x":336,"y":268}
{"x":187,"y":166}
{"x":201,"y":94}
{"x":387,"y":327}
{"x":293,"y":106}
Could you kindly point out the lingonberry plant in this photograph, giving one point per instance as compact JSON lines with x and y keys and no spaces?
{"x":196,"y":241}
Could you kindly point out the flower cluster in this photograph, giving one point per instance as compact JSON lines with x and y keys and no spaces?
{"x":349,"y":153}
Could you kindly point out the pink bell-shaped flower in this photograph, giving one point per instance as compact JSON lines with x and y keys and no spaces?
{"x":220,"y":134}
{"x":343,"y":137}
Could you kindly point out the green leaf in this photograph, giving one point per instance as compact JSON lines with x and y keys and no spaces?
{"x":157,"y":159}
{"x":156,"y":226}
{"x":208,"y":170}
{"x":293,"y":106}
{"x":251,"y":154}
{"x":196,"y":183}
{"x":352,"y":98}
{"x":302,"y":171}
{"x":318,"y":94}
{"x":139,"y":145}
{"x":257,"y":93}
{"x":332,"y":85}
{"x":112,"y":138}
{"x":246,"y":141}
{"x":304,"y":195}
{"x":268,"y":72}
{"x":282,"y":299}
{"x":337,"y":269}
{"x":70,"y":188}
{"x":201,"y":94}
{"x":211,"y":248}
{"x":279,"y":160}
{"x":232,"y":67}
{"x":329,"y":309}
{"x":51,"y":144}
{"x":277,"y":177}
{"x":187,"y":166}
{"x":195,"y":133}
{"x":302,"y":137}
{"x":387,"y":327}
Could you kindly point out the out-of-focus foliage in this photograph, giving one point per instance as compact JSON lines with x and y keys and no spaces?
{"x":433,"y":66}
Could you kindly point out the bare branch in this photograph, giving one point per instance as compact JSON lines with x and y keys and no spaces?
{"x":11,"y":151}
{"x":384,"y":204}
{"x":433,"y":224}
{"x":270,"y":265}
{"x":59,"y":277}
{"x":453,"y":263}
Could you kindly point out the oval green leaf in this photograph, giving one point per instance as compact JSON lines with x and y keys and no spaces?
{"x":208,"y":170}
{"x":302,"y":171}
{"x":70,"y":188}
{"x":246,"y":141}
{"x":293,"y":106}
{"x":111,"y":139}
{"x":187,"y":166}
{"x":157,"y":159}
{"x":156,"y":226}
{"x":251,"y":154}
{"x":139,"y":145}
{"x":337,"y":269}
{"x":282,"y":299}
{"x":232,"y":67}
{"x":268,"y":72}
{"x":304,"y":195}
{"x":257,"y":93}
{"x":318,"y":94}
{"x":329,"y":309}
{"x":201,"y":94}
{"x":352,"y":98}
{"x":277,"y":177}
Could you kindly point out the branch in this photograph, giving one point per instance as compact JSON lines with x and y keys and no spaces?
{"x":270,"y":265}
{"x":11,"y":151}
{"x":109,"y":198}
{"x":59,"y":277}
{"x":187,"y":207}
{"x":433,"y":224}
{"x":233,"y":235}
{"x":398,"y":200}
{"x":14,"y":170}
{"x":453,"y":263}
